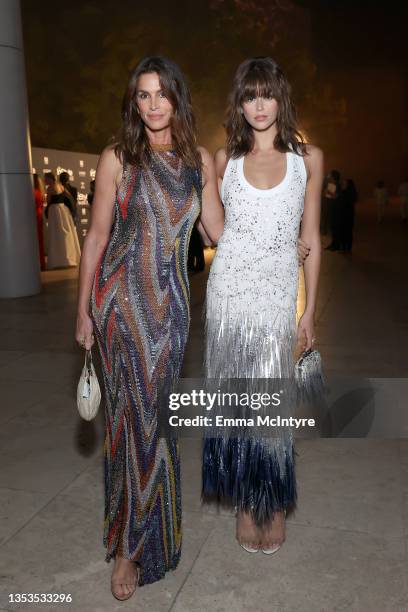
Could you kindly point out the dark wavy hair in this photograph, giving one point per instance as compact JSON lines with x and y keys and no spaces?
{"x":261,"y":76}
{"x":132,"y":144}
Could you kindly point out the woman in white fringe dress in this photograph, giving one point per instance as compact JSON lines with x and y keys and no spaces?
{"x":63,"y":244}
{"x":270,"y":186}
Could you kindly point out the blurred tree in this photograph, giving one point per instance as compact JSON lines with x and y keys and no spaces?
{"x":78,"y":62}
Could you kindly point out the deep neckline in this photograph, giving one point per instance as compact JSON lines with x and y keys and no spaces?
{"x":258,"y":190}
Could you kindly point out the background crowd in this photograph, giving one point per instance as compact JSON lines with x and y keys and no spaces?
{"x":56,"y":202}
{"x":59,"y":245}
{"x":339,"y":199}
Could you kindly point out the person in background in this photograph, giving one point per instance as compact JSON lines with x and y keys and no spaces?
{"x":381,"y":199}
{"x":63,"y":244}
{"x":347,"y":200}
{"x":325,"y":209}
{"x":72,"y":191}
{"x":331,"y":194}
{"x":195,"y":261}
{"x":90,"y":195}
{"x":39,"y":196}
{"x":403,"y":196}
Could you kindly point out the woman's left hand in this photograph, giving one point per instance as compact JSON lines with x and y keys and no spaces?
{"x":305,"y":332}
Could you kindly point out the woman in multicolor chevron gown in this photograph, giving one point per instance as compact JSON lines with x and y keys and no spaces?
{"x":134,"y":296}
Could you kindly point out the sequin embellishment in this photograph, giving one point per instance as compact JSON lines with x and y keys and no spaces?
{"x":140,"y":311}
{"x":251,"y":330}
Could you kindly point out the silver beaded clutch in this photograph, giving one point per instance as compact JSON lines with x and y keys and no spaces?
{"x":309,"y":377}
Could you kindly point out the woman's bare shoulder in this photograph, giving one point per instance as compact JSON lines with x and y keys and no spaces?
{"x":208,"y":170}
{"x":221,"y":157}
{"x":110,"y":157}
{"x":110,"y":164}
{"x":205,"y":155}
{"x":313,"y":158}
{"x":313,"y":151}
{"x":221,"y":161}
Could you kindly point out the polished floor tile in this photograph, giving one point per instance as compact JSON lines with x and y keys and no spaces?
{"x":347,"y":542}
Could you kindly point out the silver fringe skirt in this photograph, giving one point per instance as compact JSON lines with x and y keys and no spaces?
{"x":251,"y":472}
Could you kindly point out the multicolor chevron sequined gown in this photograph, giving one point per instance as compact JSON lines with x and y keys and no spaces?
{"x":140,"y":311}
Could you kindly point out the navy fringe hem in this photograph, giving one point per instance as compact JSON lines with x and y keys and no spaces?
{"x":247,"y":473}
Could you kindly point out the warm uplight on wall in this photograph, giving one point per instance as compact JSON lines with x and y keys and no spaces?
{"x":81,"y":163}
{"x":46,"y":160}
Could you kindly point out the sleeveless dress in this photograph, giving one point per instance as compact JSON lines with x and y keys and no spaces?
{"x":251,"y":331}
{"x":63,"y":244}
{"x":140,"y":312}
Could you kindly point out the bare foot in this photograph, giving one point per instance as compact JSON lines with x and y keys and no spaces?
{"x":273,"y":534}
{"x":247,"y":532}
{"x":124,"y":578}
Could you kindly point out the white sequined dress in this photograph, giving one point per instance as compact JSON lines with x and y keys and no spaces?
{"x":251,"y":329}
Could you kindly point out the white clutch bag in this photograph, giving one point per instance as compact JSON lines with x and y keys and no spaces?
{"x":88,"y":391}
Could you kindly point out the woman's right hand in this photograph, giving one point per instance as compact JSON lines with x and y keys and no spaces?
{"x":84,"y":331}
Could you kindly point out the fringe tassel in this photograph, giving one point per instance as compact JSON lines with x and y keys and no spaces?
{"x":248,"y":345}
{"x":255,"y":474}
{"x":248,"y":473}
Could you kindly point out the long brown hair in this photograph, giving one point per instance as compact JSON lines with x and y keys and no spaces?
{"x":261,"y":76}
{"x":132,"y":144}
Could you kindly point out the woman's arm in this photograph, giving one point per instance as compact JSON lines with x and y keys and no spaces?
{"x":212,"y":212}
{"x":107,"y":178}
{"x":205,"y":238}
{"x":220,"y":161}
{"x":310,"y":234}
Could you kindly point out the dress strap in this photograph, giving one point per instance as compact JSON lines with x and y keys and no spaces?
{"x":299,"y":162}
{"x":231,"y":162}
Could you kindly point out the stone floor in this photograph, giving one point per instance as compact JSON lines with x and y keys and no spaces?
{"x":347,"y":543}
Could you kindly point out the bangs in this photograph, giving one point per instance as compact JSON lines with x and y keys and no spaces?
{"x":261,"y":77}
{"x":258,"y":82}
